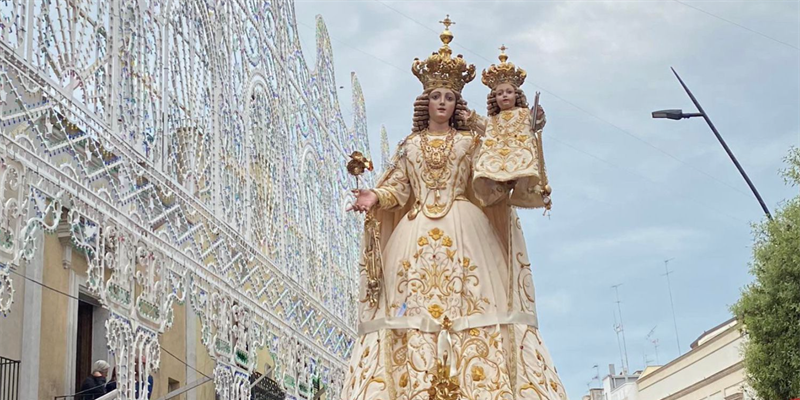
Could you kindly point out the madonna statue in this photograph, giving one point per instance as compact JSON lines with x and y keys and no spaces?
{"x":446,"y":302}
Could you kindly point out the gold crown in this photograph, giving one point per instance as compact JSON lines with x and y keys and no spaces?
{"x":441,"y":70}
{"x":505,"y":72}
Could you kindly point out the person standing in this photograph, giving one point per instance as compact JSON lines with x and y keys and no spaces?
{"x":94,"y":386}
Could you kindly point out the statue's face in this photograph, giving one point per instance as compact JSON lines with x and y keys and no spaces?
{"x":441,"y":104}
{"x":506,"y":95}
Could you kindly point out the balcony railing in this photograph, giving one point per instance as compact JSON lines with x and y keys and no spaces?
{"x":9,"y":379}
{"x":265,"y":389}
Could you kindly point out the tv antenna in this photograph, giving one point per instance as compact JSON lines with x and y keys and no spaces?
{"x":667,"y":273}
{"x":617,"y":329}
{"x":654,"y":341}
{"x":646,"y":359}
{"x":620,"y":329}
{"x":596,"y":377}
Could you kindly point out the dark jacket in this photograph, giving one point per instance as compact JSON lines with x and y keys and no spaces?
{"x":149,"y":387}
{"x":92,"y":388}
{"x":113,"y":385}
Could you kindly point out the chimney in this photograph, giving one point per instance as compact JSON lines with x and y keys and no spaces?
{"x":611,"y":370}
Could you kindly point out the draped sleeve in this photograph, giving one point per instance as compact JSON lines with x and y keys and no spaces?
{"x":395,"y":197}
{"x":394,"y":188}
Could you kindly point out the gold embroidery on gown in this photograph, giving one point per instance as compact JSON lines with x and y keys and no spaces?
{"x":459,"y":265}
{"x":510,"y":152}
{"x":512,"y":145}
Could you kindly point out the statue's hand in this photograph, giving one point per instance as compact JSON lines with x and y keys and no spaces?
{"x":365,"y":200}
{"x":465,"y":115}
{"x":541,"y":120}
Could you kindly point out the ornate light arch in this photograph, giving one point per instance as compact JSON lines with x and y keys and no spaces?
{"x":120,"y":111}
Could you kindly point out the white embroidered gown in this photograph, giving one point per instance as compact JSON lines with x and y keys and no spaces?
{"x":446,"y":256}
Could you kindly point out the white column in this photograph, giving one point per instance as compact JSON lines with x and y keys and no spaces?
{"x":191,"y":346}
{"x":99,"y":341}
{"x":32,"y":324}
{"x":72,"y":333}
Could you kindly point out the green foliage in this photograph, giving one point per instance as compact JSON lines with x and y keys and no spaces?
{"x":792,"y":173}
{"x":770,"y":306}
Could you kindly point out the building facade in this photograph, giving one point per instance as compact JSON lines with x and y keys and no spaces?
{"x":712,"y":370}
{"x":620,"y":386}
{"x":172,"y":186}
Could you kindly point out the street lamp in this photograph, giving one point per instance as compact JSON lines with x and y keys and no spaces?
{"x":675,"y":114}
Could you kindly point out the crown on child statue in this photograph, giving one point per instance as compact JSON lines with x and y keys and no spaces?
{"x":441,"y":70}
{"x":505,"y":72}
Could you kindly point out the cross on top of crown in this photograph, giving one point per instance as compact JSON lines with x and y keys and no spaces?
{"x":447,"y":22}
{"x":503,"y":57}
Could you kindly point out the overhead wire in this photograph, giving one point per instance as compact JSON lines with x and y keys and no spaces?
{"x":614,"y":165}
{"x":356,"y":49}
{"x":583,"y":110}
{"x":737,"y":24}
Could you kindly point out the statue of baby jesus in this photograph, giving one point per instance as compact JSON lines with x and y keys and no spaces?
{"x":511,"y":145}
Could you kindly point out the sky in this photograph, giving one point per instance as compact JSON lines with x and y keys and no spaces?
{"x":628,"y":191}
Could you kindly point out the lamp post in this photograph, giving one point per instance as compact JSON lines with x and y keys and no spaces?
{"x":675,"y":114}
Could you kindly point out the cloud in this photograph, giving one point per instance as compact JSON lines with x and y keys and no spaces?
{"x":766,"y":153}
{"x":558,"y":302}
{"x":656,"y":240}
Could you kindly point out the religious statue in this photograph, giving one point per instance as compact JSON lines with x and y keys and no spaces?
{"x":446,"y":302}
{"x":511,"y":138}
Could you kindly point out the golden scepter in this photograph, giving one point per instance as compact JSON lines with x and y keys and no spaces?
{"x":545,"y":189}
{"x":357,"y":165}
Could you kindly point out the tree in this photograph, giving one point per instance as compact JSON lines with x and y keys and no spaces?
{"x":770,"y":307}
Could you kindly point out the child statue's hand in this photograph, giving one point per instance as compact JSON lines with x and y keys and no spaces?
{"x":540,"y":118}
